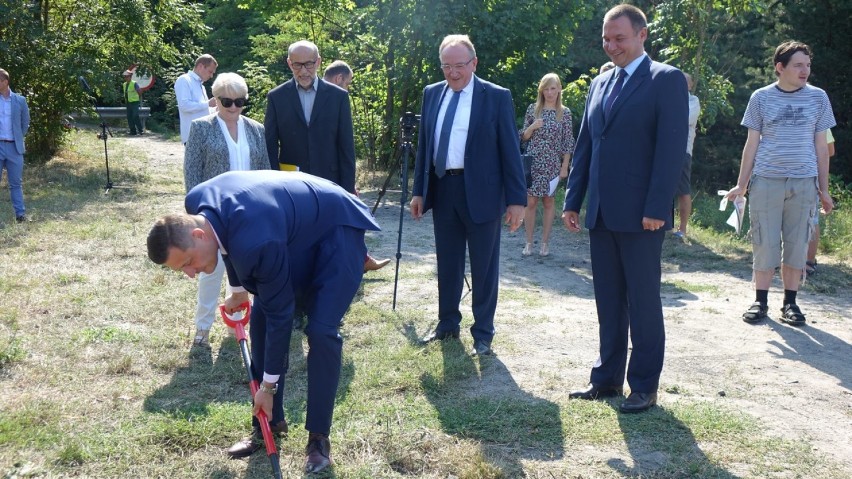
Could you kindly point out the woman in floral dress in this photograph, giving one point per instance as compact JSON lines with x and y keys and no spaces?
{"x":550,"y":140}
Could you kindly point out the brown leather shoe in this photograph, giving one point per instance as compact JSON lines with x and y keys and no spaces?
{"x":638,"y":402}
{"x":318,"y":452}
{"x":245,"y":447}
{"x":372,"y":265}
{"x":279,"y":429}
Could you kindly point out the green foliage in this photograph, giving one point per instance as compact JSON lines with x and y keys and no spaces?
{"x":392,"y":46}
{"x":687,"y":33}
{"x":47,"y":45}
{"x":837,"y":227}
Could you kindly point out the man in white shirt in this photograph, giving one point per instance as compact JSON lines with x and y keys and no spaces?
{"x":191,"y":95}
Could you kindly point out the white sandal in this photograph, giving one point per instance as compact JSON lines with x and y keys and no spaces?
{"x":527,"y":249}
{"x":544,"y":250}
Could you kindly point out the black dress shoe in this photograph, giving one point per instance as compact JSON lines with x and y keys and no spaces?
{"x":481,"y":348}
{"x":439,"y":336}
{"x":638,"y":402}
{"x":596,"y":392}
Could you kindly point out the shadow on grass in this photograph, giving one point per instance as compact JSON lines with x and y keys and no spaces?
{"x":477,"y":398}
{"x":202,"y":381}
{"x":661,"y":445}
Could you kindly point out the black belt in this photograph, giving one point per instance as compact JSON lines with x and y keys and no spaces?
{"x":455,"y":172}
{"x":8,"y":141}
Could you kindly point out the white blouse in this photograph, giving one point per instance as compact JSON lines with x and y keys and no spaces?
{"x":238,"y":151}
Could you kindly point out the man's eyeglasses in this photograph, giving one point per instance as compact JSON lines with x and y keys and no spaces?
{"x":306,"y":65}
{"x":458,"y":66}
{"x":227,"y":102}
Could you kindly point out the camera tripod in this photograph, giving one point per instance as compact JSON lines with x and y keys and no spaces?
{"x":105,"y":131}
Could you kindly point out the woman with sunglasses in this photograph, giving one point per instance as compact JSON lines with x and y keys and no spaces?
{"x":217,"y":143}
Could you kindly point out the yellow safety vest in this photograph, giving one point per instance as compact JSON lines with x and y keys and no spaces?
{"x":130,"y":94}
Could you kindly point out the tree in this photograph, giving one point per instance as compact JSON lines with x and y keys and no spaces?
{"x":392,"y":45}
{"x":47,"y":45}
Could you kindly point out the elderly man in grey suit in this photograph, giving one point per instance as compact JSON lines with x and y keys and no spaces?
{"x":14,"y":123}
{"x":218,"y":143}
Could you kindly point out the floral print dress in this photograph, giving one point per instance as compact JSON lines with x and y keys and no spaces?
{"x":547,"y":145}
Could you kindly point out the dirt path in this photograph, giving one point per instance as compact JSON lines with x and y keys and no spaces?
{"x":796,"y":381}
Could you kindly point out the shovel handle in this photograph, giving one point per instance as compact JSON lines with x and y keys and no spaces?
{"x":238,"y":325}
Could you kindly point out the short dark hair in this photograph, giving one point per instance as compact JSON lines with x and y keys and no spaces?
{"x":4,"y":75}
{"x":170,"y":231}
{"x":786,"y":50}
{"x":636,"y":16}
{"x":206,"y":60}
{"x":337,"y":67}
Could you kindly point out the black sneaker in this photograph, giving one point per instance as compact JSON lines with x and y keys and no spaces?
{"x":756,"y":312}
{"x":21,"y":219}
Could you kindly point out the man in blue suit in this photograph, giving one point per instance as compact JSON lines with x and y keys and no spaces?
{"x":628,"y":157}
{"x":468,"y":171}
{"x":14,"y":123}
{"x":308,"y":122}
{"x":282,"y":236}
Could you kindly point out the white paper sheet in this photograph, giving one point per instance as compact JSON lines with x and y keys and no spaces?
{"x":553,"y":184}
{"x":737,"y":216}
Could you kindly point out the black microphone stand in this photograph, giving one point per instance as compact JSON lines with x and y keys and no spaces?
{"x":105,"y":131}
{"x":409,"y":123}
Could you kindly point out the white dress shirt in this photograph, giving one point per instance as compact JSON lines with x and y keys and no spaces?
{"x":192,"y":101}
{"x":458,"y":137}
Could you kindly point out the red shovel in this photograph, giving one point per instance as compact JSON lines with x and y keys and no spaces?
{"x":240,"y":332}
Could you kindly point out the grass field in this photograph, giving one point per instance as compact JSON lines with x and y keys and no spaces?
{"x":97,"y":378}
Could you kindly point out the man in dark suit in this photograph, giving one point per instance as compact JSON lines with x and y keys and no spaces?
{"x":281,"y":236}
{"x":628,"y":157}
{"x":309,"y":122}
{"x":468,"y":171}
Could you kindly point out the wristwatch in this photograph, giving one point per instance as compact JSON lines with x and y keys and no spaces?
{"x":268,"y":390}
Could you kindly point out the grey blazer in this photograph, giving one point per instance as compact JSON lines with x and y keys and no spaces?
{"x":20,"y":121}
{"x":206,"y":153}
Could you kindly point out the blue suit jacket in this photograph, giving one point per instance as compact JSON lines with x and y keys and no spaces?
{"x":20,"y":121}
{"x":494,"y":175}
{"x":326,"y":148}
{"x":629,"y":162}
{"x":266,"y":221}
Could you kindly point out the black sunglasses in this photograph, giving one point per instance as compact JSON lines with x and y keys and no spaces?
{"x":227,"y":102}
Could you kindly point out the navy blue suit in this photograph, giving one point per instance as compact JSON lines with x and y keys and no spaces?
{"x":326,"y":147}
{"x":628,"y":163}
{"x":284,"y":235}
{"x":467,"y":209}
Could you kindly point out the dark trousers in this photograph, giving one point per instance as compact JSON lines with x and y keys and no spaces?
{"x":626,"y":270}
{"x":325,"y":280}
{"x":455,"y":231}
{"x":134,"y":123}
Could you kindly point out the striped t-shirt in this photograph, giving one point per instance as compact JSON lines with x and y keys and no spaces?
{"x":787,"y":122}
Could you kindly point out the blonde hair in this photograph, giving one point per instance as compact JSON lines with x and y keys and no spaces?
{"x":545,"y":82}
